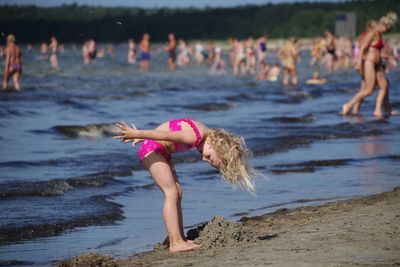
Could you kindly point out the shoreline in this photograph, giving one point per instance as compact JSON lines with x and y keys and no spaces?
{"x":361,"y":231}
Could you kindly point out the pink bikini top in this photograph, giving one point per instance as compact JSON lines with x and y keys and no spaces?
{"x":176,"y":125}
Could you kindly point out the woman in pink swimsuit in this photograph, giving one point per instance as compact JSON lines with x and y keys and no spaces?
{"x":370,"y":67}
{"x":13,"y":65}
{"x":222,"y":150}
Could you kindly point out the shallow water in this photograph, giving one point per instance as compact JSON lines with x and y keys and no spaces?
{"x":67,"y":188}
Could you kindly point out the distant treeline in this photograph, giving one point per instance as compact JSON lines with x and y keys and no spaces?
{"x":71,"y":23}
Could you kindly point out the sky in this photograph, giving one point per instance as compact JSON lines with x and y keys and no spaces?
{"x":154,"y":3}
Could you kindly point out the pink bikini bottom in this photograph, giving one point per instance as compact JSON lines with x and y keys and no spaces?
{"x":149,"y":146}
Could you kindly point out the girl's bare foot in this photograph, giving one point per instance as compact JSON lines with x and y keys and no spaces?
{"x":345,"y":109}
{"x":184,"y":246}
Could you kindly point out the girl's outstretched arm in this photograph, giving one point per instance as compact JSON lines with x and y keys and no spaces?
{"x":128,"y":134}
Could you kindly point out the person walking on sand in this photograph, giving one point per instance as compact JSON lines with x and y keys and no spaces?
{"x":370,"y":67}
{"x":222,"y":150}
{"x":288,"y":55}
{"x":144,"y":52}
{"x":13,"y":64}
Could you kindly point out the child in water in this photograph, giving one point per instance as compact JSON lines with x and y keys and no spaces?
{"x":316,"y":79}
{"x":222,"y":150}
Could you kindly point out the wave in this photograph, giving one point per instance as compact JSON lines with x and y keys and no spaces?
{"x":109,"y":213}
{"x":48,"y":188}
{"x":313,"y":165}
{"x":308,"y":166}
{"x":282,"y":204}
{"x":75,"y":104}
{"x":305,"y":118}
{"x":307,"y":135}
{"x":242,"y":97}
{"x":15,"y":263}
{"x":58,"y":187}
{"x":116,"y":97}
{"x":210,"y":106}
{"x":111,"y":243}
{"x":89,"y":131}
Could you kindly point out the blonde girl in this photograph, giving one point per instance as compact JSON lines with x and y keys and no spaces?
{"x":222,"y":150}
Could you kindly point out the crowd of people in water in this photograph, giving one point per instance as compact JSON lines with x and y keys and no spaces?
{"x":369,"y":54}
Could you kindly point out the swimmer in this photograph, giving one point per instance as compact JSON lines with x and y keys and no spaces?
{"x":13,"y":64}
{"x":239,"y":64}
{"x":183,"y":58}
{"x":330,"y":48}
{"x":131,"y":57}
{"x":44,"y":49}
{"x":316,"y":79}
{"x":198,"y":54}
{"x":53,"y":51}
{"x":145,"y":52}
{"x":218,"y":66}
{"x":274,"y":72}
{"x":261,"y":48}
{"x":289,"y":55}
{"x":89,"y":51}
{"x":251,"y":62}
{"x":171,"y":48}
{"x":263,"y":73}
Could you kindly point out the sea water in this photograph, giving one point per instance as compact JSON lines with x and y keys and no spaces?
{"x":67,"y":187}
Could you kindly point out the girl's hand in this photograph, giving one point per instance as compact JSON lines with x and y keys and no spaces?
{"x":126,"y":133}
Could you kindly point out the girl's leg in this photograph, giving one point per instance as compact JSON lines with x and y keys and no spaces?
{"x":370,"y":80}
{"x":180,"y":191}
{"x":163,"y":176}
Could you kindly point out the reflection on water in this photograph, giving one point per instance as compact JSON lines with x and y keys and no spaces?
{"x":373,"y":146}
{"x":65,"y":183}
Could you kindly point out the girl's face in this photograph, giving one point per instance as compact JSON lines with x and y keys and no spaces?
{"x":209,"y":154}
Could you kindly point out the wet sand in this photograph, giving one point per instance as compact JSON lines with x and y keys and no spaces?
{"x":356,"y":232}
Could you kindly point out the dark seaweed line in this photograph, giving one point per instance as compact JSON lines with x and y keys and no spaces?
{"x":312,"y":165}
{"x":12,"y":235}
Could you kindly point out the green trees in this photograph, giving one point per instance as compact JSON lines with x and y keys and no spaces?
{"x":71,"y":23}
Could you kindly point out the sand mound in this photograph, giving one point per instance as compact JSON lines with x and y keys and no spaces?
{"x":221,"y":233}
{"x":90,"y":260}
{"x":218,"y":232}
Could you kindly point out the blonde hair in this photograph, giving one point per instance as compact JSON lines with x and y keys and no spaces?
{"x":233,"y":153}
{"x":11,"y":38}
{"x":390,"y":19}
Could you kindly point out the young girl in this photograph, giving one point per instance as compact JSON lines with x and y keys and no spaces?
{"x":222,"y":150}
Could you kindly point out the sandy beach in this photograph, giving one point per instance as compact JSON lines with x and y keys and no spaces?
{"x":355,"y":232}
